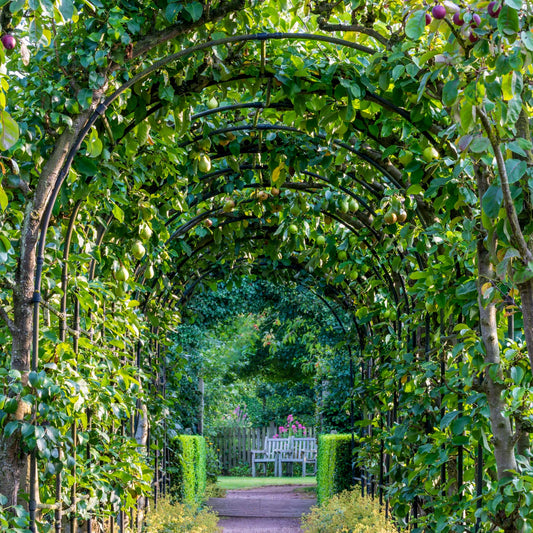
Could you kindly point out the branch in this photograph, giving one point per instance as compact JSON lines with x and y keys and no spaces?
{"x":210,"y":15}
{"x":17,"y":183}
{"x":325,"y":26}
{"x":62,"y":316}
{"x":5,"y":317}
{"x":516,"y":230}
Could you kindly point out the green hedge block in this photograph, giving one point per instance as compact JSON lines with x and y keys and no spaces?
{"x":334,"y":465}
{"x":191,"y":474}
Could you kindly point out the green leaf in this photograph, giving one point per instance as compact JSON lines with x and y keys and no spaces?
{"x":458,"y":426}
{"x":492,"y":201}
{"x":467,"y":115}
{"x":450,"y":92}
{"x":172,"y":10}
{"x":10,"y":131}
{"x":3,"y":198}
{"x":41,"y":445}
{"x":195,"y":10}
{"x":85,"y":97}
{"x":508,"y":22}
{"x":515,"y":4}
{"x":27,"y":430}
{"x":480,"y":144}
{"x":514,"y":107}
{"x":143,"y":131}
{"x":118,"y":213}
{"x":416,"y":25}
{"x":527,"y":39}
{"x":66,"y":9}
{"x":16,"y":5}
{"x":517,"y":374}
{"x":516,"y":169}
{"x":10,"y":428}
{"x":414,"y":189}
{"x":448,"y":418}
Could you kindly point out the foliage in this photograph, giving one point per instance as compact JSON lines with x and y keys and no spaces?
{"x":334,"y":466}
{"x":188,"y":471}
{"x":243,"y":469}
{"x":175,"y":517}
{"x":213,"y":467}
{"x":388,"y":174}
{"x":348,"y":512}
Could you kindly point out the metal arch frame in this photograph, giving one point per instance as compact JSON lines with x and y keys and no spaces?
{"x":100,"y":111}
{"x":185,"y":228}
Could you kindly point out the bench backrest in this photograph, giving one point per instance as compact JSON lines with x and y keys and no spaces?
{"x":274,"y":446}
{"x":304,"y":446}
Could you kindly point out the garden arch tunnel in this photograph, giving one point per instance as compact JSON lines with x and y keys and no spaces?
{"x":382,"y":247}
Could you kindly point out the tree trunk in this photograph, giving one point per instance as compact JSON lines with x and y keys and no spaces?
{"x":526,"y":296}
{"x":13,"y":460}
{"x":502,"y":434}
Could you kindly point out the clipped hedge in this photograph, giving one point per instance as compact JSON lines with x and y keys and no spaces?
{"x":190,"y":475}
{"x":334,"y":466}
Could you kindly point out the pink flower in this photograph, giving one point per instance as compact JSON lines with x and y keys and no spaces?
{"x":290,"y":418}
{"x":281,"y":429}
{"x":294,"y":427}
{"x":276,"y":436}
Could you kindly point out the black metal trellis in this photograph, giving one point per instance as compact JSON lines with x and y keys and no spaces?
{"x":100,"y":110}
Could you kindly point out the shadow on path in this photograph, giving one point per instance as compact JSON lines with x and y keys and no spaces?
{"x":269,"y":509}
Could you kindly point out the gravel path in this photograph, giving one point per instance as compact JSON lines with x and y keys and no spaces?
{"x":272,"y":509}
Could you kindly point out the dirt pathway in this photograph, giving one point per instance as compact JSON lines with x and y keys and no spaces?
{"x":272,"y":509}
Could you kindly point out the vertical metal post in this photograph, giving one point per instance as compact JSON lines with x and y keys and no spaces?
{"x":460,"y":449}
{"x":74,"y":429}
{"x":89,"y":415}
{"x":479,"y":482}
{"x":122,"y":514}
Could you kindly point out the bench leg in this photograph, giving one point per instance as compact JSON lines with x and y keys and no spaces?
{"x":253,"y":469}
{"x":303,"y":468}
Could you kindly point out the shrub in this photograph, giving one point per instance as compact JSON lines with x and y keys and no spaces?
{"x":189,"y":477}
{"x":348,"y":512}
{"x":242,"y":469}
{"x":334,"y":465}
{"x":179,"y":517}
{"x":213,"y":466}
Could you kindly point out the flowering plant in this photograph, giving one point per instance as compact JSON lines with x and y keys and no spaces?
{"x":293,"y":428}
{"x":237,"y":418}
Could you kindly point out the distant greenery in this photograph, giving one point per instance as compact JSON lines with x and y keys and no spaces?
{"x":272,"y":350}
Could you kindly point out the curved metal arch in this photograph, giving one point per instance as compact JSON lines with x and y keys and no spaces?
{"x":281,"y":127}
{"x":101,"y":110}
{"x":387,"y":280}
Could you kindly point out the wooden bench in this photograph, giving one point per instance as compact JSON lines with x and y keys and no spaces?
{"x":271,"y":453}
{"x":288,"y":450}
{"x":302,"y":450}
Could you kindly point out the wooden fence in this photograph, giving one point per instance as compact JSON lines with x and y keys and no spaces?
{"x":235,"y":445}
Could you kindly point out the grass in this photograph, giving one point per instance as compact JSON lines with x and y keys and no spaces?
{"x":226,"y":482}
